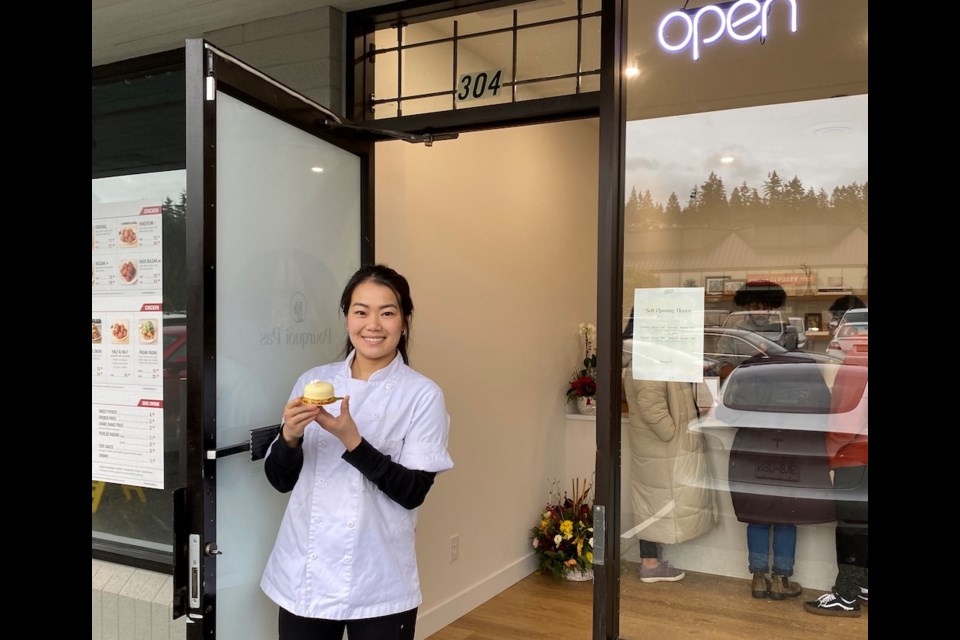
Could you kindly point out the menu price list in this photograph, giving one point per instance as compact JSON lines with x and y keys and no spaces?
{"x":127,"y":274}
{"x":113,"y":232}
{"x":126,"y":270}
{"x":127,"y":249}
{"x":128,"y":443}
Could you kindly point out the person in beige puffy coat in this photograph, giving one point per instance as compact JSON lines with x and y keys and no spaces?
{"x":668,"y":467}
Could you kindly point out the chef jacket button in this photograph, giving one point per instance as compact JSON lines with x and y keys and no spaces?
{"x":389,"y":386}
{"x":322,"y":443}
{"x":376,"y":415}
{"x":321,"y":481}
{"x":347,"y":560}
{"x":313,"y":556}
{"x":351,"y":524}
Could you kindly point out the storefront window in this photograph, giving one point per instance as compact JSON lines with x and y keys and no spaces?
{"x":138,"y":302}
{"x":746,"y":226}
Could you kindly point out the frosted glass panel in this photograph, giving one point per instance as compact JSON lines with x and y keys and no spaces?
{"x":288,"y":238}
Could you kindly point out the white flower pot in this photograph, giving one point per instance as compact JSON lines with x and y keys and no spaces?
{"x":577,"y":574}
{"x":587,"y":406}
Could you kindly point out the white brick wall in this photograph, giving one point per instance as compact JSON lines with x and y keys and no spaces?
{"x":133,"y":604}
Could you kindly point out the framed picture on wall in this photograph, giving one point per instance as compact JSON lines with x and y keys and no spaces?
{"x":813,"y":321}
{"x":731,"y":286}
{"x":713,"y":285}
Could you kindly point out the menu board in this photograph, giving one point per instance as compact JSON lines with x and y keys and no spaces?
{"x":127,"y":329}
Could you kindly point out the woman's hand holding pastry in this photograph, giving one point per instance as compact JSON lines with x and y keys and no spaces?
{"x":342,"y":426}
{"x":296,"y":417}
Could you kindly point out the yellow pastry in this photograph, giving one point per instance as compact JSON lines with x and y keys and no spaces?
{"x":317,"y":392}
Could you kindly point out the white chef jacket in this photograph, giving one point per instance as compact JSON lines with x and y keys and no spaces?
{"x":345,"y":550}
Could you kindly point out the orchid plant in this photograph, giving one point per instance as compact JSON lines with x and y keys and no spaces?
{"x":584,"y":382}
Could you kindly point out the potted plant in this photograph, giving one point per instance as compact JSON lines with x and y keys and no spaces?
{"x":582,"y":388}
{"x":563,"y":538}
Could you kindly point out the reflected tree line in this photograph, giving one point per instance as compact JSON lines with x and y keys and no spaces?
{"x":175,"y":254}
{"x":775,"y":202}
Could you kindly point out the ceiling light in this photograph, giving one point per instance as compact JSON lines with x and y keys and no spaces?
{"x":726,"y":159}
{"x":316,"y":169}
{"x":831,"y":129}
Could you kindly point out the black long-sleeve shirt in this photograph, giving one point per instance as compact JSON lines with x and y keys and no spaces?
{"x":406,"y":487}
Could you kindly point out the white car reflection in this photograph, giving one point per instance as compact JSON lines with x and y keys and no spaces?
{"x":850,"y":340}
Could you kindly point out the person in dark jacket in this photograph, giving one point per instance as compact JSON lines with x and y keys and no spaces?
{"x":847,"y":448}
{"x":758,"y":297}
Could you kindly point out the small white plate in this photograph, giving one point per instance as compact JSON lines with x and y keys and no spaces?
{"x":136,"y":272}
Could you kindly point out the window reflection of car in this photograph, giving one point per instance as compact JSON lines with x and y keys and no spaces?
{"x":850,"y":315}
{"x":771,"y":324}
{"x":797,"y":323}
{"x":737,"y":345}
{"x":849,"y":340}
{"x":786,"y":407}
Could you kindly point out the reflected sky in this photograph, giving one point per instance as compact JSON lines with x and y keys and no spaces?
{"x":140,"y":186}
{"x":823,"y":142}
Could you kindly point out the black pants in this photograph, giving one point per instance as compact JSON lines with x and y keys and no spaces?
{"x":649,"y":549}
{"x":851,"y":536}
{"x":399,"y":626}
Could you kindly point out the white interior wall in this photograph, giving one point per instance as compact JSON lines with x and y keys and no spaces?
{"x":496,"y":232}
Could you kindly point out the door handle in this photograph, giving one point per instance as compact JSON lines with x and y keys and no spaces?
{"x":257,"y":445}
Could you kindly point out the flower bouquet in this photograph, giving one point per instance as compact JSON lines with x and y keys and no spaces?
{"x":563,"y":539}
{"x":584,"y":381}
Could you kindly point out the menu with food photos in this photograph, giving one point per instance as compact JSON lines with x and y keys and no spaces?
{"x":127,"y":329}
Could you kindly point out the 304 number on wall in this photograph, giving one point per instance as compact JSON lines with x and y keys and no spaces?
{"x":479,"y":84}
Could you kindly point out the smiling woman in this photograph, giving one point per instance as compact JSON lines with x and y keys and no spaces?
{"x":394,"y":438}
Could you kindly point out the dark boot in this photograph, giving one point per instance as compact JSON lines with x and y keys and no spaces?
{"x":781,"y":588}
{"x":761,"y":586}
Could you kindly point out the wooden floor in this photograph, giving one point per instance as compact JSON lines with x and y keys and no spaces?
{"x":699,"y":606}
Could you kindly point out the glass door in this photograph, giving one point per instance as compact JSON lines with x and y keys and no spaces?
{"x":281,"y":232}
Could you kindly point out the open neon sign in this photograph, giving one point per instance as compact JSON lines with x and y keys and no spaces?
{"x":739,"y":21}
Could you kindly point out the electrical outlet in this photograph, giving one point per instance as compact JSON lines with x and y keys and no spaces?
{"x":454,"y":547}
